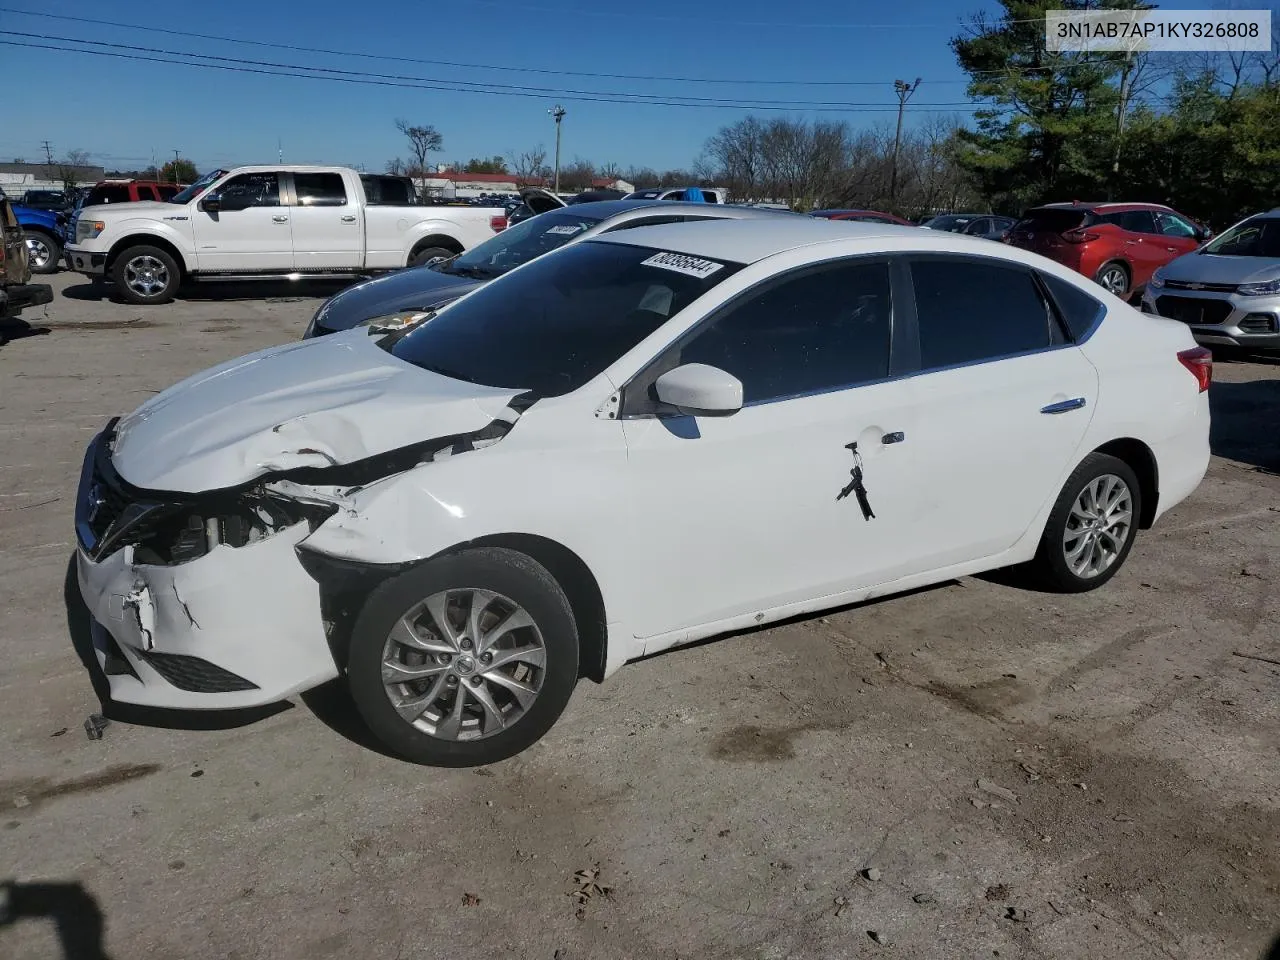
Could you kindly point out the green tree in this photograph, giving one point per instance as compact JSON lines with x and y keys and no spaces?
{"x":493,"y":165}
{"x":181,"y":170}
{"x":1049,"y":125}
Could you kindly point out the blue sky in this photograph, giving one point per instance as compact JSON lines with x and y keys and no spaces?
{"x":125,"y":112}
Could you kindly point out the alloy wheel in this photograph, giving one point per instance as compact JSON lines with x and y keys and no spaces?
{"x":146,"y":276}
{"x":1098,"y":527}
{"x":463,"y":664}
{"x":38,"y":252}
{"x":1113,"y":280}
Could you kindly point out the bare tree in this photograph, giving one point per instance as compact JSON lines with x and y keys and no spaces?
{"x":422,"y":142}
{"x":529,"y":164}
{"x":69,"y":167}
{"x":578,"y":174}
{"x":611,"y":172}
{"x":395,"y":167}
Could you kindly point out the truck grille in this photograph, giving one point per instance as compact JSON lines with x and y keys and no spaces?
{"x":1193,"y":309}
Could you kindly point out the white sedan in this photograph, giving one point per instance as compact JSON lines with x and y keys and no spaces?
{"x":651,"y":437}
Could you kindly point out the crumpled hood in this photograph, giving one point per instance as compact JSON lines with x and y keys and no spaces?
{"x":415,"y":288}
{"x":1211,"y":268}
{"x":315,"y":403}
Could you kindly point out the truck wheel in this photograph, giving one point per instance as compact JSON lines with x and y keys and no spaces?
{"x":427,"y":254}
{"x":43,"y":250}
{"x":146,"y":275}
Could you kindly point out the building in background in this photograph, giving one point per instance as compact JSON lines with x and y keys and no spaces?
{"x":17,"y":178}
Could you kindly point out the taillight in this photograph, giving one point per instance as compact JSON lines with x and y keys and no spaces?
{"x":1079,"y":235}
{"x":1199,"y":361}
{"x":497,"y":224}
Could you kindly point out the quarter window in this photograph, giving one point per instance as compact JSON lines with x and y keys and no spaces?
{"x":319,"y":189}
{"x":253,"y":189}
{"x":971,"y":311}
{"x":1078,"y":310}
{"x":821,"y":330}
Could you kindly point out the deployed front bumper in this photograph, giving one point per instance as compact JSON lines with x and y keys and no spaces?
{"x":1219,"y":318}
{"x":237,"y":627}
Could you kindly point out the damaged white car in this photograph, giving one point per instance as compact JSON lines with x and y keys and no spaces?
{"x":637,"y":441}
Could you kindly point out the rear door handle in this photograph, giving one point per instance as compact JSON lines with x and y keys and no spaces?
{"x":278,"y":218}
{"x":348,"y":219}
{"x":896,"y":437}
{"x":1064,"y":406}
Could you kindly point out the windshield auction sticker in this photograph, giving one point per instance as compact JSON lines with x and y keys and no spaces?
{"x":563,"y":230}
{"x":683,"y":263}
{"x":1141,"y":31}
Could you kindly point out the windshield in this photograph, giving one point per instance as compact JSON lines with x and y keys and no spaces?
{"x":519,"y":244}
{"x":952,"y":223}
{"x":561,"y":320}
{"x":193,"y":191}
{"x":1256,"y":237}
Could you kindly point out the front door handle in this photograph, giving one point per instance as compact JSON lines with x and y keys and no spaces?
{"x":1064,"y":406}
{"x":348,"y":219}
{"x":278,"y":218}
{"x":896,"y":437}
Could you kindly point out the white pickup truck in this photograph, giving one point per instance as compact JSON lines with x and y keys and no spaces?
{"x":267,"y":222}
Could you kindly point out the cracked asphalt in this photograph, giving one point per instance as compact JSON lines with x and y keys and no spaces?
{"x":1028,"y":775}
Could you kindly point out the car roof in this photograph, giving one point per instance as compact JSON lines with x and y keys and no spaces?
{"x":749,"y":240}
{"x":1116,"y":206}
{"x":603,"y":209}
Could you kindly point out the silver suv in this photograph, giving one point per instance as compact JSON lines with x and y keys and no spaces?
{"x":1228,"y":291}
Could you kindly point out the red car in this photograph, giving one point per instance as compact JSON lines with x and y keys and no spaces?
{"x":866,"y":216}
{"x":1119,"y":245}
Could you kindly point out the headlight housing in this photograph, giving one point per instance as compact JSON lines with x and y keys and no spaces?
{"x":1268,"y":288}
{"x":396,"y":322}
{"x":1156,"y":281}
{"x":89,"y":229}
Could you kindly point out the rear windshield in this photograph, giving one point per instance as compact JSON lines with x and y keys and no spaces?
{"x":1256,"y":237}
{"x":1053,"y":220}
{"x":108,"y":193}
{"x":558,"y":322}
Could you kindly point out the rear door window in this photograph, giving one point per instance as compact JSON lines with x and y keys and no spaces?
{"x":320,"y":189}
{"x":971,"y":310}
{"x":1135,"y":221}
{"x":1078,"y":310}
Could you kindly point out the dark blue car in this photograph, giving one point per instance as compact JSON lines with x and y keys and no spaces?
{"x":46,"y":236}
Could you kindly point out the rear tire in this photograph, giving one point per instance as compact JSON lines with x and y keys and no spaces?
{"x":146,"y":275}
{"x":424,"y":256}
{"x":515,"y":674}
{"x":43,"y":250}
{"x":1090,"y":529}
{"x":1114,"y":278}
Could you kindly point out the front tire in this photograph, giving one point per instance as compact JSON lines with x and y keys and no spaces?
{"x":146,"y":275}
{"x":43,"y":251}
{"x":1091,"y":527}
{"x":465,"y":660}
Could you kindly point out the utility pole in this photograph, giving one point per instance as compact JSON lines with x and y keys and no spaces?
{"x":48,"y":153}
{"x":280,"y":150}
{"x":558,"y":112}
{"x":176,"y":158}
{"x":904,"y":91}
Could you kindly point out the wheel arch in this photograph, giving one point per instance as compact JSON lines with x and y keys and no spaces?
{"x":145,"y":240}
{"x":346,"y":584}
{"x":435,"y":240}
{"x":1142,"y":461}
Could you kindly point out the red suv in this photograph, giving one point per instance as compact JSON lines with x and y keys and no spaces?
{"x":1120,"y":245}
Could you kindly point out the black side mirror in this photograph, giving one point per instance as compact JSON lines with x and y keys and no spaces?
{"x":211,"y":203}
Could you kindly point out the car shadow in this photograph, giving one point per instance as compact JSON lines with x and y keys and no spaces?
{"x":332,"y":705}
{"x":78,"y":626}
{"x":1245,"y":424}
{"x":219,"y":292}
{"x":77,"y":919}
{"x":15,"y":328}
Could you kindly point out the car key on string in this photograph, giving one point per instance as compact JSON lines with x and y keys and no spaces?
{"x":855,"y":484}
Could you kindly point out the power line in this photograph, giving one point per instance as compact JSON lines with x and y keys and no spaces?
{"x":480,"y":66}
{"x":267,"y":68}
